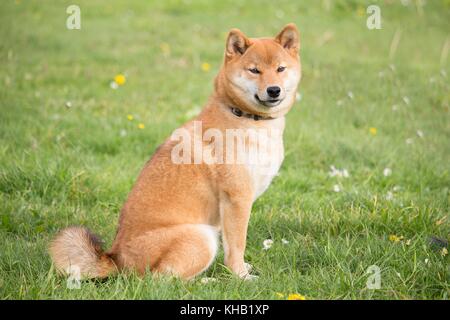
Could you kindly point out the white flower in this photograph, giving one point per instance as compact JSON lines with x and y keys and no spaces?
{"x":387,"y":172}
{"x":206,"y":280}
{"x":284,"y":241}
{"x":350,"y":95}
{"x":267,"y":244}
{"x":389,"y":196}
{"x":113,"y":85}
{"x":406,"y":100}
{"x":419,"y":133}
{"x":336,"y":188}
{"x":334,"y":172}
{"x":345,"y":173}
{"x":193,"y":112}
{"x":409,"y":141}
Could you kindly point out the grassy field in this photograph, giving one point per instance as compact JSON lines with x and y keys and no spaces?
{"x":373,"y":102}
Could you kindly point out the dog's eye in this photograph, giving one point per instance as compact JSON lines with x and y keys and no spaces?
{"x":281,"y":69}
{"x":254,"y":70}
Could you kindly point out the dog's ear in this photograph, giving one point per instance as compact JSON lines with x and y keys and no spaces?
{"x":237,"y":43}
{"x":289,"y":38}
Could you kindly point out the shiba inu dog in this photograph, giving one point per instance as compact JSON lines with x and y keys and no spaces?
{"x":172,"y":218}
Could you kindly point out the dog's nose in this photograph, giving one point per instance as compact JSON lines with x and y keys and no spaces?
{"x":273,"y":92}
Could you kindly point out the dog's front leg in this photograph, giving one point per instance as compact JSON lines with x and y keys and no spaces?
{"x":235,"y":214}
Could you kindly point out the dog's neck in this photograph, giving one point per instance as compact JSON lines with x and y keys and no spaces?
{"x":239,"y":113}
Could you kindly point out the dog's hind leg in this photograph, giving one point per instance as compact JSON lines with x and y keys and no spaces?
{"x":183,"y":250}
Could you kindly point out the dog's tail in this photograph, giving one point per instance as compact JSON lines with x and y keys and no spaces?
{"x":76,"y":251}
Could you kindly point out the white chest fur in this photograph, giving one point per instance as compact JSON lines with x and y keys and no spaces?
{"x":266,"y":154}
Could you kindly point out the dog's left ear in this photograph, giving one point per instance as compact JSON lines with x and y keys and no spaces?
{"x":289,"y":38}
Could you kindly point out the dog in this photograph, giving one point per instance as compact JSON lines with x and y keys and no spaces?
{"x":171,"y":221}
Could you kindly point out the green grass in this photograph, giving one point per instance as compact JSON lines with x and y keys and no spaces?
{"x":63,"y":166}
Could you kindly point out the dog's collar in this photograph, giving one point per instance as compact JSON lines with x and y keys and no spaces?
{"x":239,"y":113}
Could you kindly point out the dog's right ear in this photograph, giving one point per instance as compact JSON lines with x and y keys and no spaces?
{"x":237,"y":43}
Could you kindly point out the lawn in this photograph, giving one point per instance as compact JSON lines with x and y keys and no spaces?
{"x":372,"y":102}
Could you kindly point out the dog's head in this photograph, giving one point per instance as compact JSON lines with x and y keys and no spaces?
{"x":262,"y":74}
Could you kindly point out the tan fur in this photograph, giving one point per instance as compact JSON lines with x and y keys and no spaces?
{"x":173,"y":214}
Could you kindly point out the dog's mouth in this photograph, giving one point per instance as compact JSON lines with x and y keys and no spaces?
{"x":268,"y":103}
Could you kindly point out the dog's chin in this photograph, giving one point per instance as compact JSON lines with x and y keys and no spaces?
{"x":268,"y":103}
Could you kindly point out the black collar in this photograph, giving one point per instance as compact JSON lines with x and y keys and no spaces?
{"x":239,"y":113}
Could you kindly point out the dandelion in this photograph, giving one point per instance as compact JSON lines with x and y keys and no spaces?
{"x":165,"y":48}
{"x":441,"y":221}
{"x":395,"y":239}
{"x":141,"y":126}
{"x":206,"y":66}
{"x":336,"y":188}
{"x":444,"y":252}
{"x":296,"y":296}
{"x":267,"y":244}
{"x":120,"y":79}
{"x":360,"y":11}
{"x":373,"y":131}
{"x":387,"y":172}
{"x":284,"y":241}
{"x":130,"y":117}
{"x":206,"y":280}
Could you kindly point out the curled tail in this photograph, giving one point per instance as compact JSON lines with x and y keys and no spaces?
{"x":76,"y":249}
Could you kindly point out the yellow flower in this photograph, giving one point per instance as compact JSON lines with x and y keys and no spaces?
{"x":360,"y":11}
{"x":444,"y":252}
{"x":130,"y":117}
{"x":206,"y":66}
{"x":141,"y":126}
{"x":296,"y":296}
{"x":165,"y":48}
{"x":395,"y":238}
{"x":441,"y":221}
{"x":373,"y":131}
{"x":120,"y":79}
